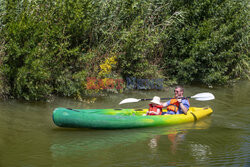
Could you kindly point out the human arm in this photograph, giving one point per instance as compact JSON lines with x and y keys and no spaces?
{"x":184,"y":105}
{"x":166,"y":104}
{"x":155,"y":112}
{"x":158,"y":111}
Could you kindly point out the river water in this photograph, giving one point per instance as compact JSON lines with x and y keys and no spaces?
{"x":28,"y":137}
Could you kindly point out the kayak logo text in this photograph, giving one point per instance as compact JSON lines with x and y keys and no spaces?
{"x":131,"y":83}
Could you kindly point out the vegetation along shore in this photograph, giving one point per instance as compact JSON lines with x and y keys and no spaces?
{"x":54,"y":47}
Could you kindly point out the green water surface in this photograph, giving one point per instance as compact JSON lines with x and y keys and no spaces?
{"x":28,"y":137}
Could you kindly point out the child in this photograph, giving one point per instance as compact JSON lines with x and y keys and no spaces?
{"x":155,"y":107}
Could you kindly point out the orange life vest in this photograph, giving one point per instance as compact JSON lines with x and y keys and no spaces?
{"x":154,"y":108}
{"x":174,"y":105}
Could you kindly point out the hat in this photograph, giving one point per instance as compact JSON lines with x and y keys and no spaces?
{"x":156,"y":100}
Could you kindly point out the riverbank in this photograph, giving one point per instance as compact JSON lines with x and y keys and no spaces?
{"x":54,"y":47}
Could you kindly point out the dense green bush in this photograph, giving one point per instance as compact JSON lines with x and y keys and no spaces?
{"x":52,"y":47}
{"x":211,"y":47}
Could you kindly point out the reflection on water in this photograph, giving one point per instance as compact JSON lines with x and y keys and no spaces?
{"x":200,"y":152}
{"x":96,"y":142}
{"x":176,"y":136}
{"x":101,"y":139}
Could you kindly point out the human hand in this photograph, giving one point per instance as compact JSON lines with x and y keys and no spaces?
{"x":179,"y":100}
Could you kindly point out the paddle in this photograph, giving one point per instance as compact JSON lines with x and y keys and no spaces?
{"x":200,"y":97}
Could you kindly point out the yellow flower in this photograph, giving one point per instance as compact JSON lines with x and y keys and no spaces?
{"x":106,"y":67}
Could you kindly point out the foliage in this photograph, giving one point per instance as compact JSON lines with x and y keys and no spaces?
{"x":52,"y":47}
{"x":211,"y":47}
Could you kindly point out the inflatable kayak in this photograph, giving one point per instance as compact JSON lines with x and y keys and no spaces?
{"x":122,"y":118}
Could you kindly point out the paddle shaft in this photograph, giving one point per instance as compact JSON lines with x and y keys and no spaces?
{"x":166,"y":98}
{"x":200,"y":97}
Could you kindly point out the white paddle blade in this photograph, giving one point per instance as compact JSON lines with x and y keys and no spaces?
{"x":204,"y":99}
{"x":129,"y":100}
{"x":203,"y":96}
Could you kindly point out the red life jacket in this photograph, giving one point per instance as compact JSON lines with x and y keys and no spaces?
{"x":174,"y":105}
{"x":154,"y":108}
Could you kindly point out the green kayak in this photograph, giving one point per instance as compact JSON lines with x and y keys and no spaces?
{"x":122,"y":118}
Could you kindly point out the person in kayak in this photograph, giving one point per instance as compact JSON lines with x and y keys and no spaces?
{"x":177,"y":105}
{"x":155,"y":107}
